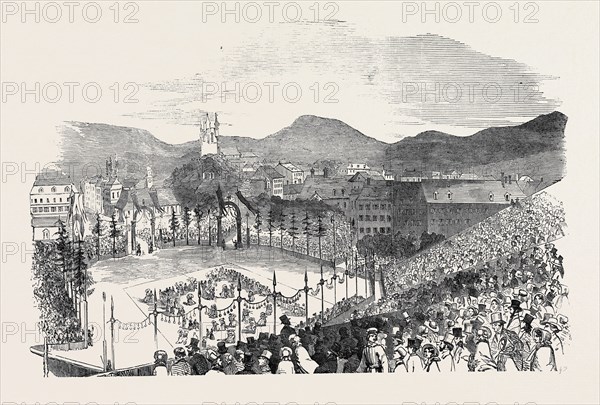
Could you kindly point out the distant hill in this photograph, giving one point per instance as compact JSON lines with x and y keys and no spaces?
{"x":86,"y":146}
{"x":310,"y":138}
{"x":432,"y":149}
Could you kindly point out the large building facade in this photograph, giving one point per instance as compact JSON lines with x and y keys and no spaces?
{"x":50,"y":200}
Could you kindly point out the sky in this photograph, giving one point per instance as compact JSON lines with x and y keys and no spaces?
{"x":389,"y":79}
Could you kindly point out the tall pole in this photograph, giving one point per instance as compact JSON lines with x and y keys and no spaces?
{"x":346,"y":273}
{"x":200,"y":312}
{"x":104,"y":348}
{"x":239,"y":305}
{"x":45,"y":358}
{"x":334,"y":278}
{"x":209,"y":230}
{"x":356,"y":272}
{"x":306,"y":295}
{"x":112,"y":332}
{"x":155,"y":313}
{"x":334,"y":252}
{"x":366,"y":286}
{"x":247,"y":230}
{"x":274,"y":303}
{"x":322,"y":283}
{"x":85,"y":306}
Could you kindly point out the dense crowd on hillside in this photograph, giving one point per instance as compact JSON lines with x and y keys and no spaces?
{"x":529,"y":223}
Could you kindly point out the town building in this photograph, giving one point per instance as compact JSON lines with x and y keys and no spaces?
{"x":292,"y":174}
{"x":50,"y":200}
{"x":448,"y":206}
{"x":269,"y":180}
{"x":354,"y":168}
{"x":93,"y":200}
{"x":371,"y":209}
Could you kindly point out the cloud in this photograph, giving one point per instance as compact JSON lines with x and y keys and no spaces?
{"x":416,"y":81}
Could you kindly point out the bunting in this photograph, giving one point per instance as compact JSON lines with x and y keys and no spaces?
{"x":133,"y":325}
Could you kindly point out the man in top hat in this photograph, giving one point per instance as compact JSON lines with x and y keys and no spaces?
{"x":263,"y":362}
{"x":447,"y":363}
{"x":199,"y":365}
{"x":287,"y":329}
{"x":374,"y":359}
{"x":414,"y":363}
{"x":506,"y":345}
{"x":514,"y":322}
{"x":526,"y":337}
{"x":221,"y":349}
{"x":400,"y":353}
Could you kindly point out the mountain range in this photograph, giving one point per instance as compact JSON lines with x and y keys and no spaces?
{"x":310,"y":138}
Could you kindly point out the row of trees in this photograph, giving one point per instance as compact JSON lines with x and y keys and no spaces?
{"x":306,"y":220}
{"x":61,"y":282}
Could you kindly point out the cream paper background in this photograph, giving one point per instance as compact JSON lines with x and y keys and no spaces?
{"x":164,"y":44}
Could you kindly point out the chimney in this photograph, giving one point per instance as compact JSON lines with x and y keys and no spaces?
{"x":502,"y":178}
{"x":368,"y":181}
{"x":510,"y":179}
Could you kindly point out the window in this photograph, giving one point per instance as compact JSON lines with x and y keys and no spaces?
{"x":343,"y":191}
{"x":45,"y":234}
{"x":360,"y":217}
{"x":360,"y":207}
{"x":344,"y":204}
{"x":381,"y":230}
{"x":334,"y":192}
{"x":368,"y":230}
{"x":362,"y":230}
{"x":507,"y":197}
{"x":46,"y":209}
{"x":60,"y":209}
{"x":381,"y":218}
{"x":34,"y":209}
{"x":389,"y":230}
{"x":35,"y":200}
{"x":53,"y":189}
{"x":47,"y":200}
{"x":54,"y":200}
{"x":367,"y":217}
{"x":449,"y":195}
{"x":491,"y":196}
{"x":435,"y":195}
{"x":67,"y":189}
{"x":40,"y":190}
{"x":60,"y":199}
{"x":52,"y":209}
{"x":389,"y":218}
{"x":375,"y":206}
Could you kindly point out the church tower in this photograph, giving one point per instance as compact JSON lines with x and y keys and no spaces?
{"x":209,"y":136}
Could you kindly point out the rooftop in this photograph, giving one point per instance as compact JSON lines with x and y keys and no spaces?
{"x":470,"y":191}
{"x":52,"y":178}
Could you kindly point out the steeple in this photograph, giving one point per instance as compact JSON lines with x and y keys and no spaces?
{"x":209,"y":136}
